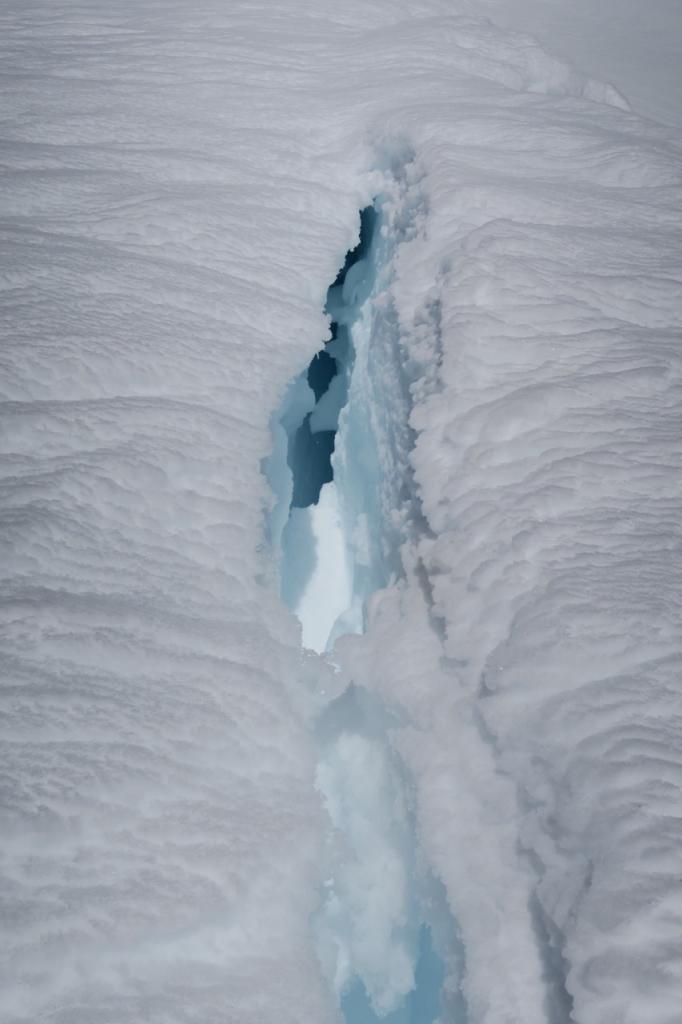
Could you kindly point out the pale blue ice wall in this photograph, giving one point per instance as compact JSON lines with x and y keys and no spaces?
{"x":384,"y":933}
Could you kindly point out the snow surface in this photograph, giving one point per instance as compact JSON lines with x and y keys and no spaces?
{"x":635,"y":45}
{"x":180,"y":187}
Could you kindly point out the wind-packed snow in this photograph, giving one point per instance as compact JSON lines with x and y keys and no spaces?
{"x":489,"y":777}
{"x":636,"y":46}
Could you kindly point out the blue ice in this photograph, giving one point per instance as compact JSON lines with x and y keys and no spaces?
{"x":421,"y":1006}
{"x":327,"y":531}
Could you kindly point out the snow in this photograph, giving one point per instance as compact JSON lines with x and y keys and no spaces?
{"x":328,"y":591}
{"x":182,"y":778}
{"x":635,"y":46}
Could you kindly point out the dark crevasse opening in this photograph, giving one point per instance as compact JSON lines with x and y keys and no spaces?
{"x":322,"y":370}
{"x":382,"y":944}
{"x":368,"y":221}
{"x":311,"y":447}
{"x":310,"y":455}
{"x":310,"y":452}
{"x":316,"y":564}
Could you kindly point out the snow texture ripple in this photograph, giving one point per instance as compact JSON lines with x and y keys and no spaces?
{"x":180,"y":185}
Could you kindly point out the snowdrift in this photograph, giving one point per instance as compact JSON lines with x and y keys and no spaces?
{"x":475,"y":796}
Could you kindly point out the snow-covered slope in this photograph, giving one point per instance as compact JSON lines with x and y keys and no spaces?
{"x":180,"y":185}
{"x":636,"y":45}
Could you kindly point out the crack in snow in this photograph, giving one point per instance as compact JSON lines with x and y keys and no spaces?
{"x":376,"y":948}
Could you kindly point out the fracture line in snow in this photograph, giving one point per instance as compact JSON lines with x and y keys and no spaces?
{"x":374,"y":944}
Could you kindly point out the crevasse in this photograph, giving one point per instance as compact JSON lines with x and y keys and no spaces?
{"x":376,"y":938}
{"x":320,"y":527}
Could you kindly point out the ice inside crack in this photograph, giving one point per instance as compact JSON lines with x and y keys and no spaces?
{"x":317,"y":577}
{"x":375,"y":947}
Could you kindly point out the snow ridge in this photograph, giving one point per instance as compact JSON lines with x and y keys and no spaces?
{"x":548,"y":469}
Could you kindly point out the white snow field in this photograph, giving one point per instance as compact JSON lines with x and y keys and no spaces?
{"x":635,"y":45}
{"x":447,"y":786}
